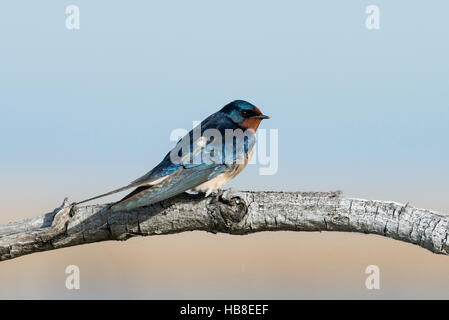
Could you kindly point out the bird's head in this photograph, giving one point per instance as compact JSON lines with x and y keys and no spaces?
{"x":244,"y":114}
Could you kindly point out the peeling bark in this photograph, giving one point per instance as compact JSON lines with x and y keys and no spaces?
{"x":233,"y":212}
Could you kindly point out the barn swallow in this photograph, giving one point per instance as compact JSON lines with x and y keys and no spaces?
{"x":203,"y":160}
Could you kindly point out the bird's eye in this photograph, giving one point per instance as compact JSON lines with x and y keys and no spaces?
{"x":244,"y":113}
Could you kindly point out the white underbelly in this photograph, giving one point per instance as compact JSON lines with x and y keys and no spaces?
{"x":214,"y":183}
{"x":223,"y":178}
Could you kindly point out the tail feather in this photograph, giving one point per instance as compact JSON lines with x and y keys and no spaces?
{"x":107,"y":194}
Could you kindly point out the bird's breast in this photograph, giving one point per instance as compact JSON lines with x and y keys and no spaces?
{"x":224,"y":177}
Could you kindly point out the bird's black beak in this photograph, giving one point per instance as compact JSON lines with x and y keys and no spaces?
{"x":261,"y":116}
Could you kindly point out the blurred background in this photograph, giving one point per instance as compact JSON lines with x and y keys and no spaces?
{"x":364,"y":111}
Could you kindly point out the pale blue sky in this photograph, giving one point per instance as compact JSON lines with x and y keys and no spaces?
{"x":86,"y":111}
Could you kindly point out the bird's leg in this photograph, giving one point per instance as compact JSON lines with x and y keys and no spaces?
{"x":219,"y":192}
{"x":216,"y":193}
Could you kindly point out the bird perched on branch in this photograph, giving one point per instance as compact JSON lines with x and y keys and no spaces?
{"x":206,"y":158}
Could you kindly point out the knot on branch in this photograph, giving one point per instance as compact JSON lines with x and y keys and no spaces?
{"x":227,"y":209}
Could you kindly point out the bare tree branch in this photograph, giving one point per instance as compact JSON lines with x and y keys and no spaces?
{"x":234,"y":212}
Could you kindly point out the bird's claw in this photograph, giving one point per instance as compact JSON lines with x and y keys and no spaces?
{"x":219,"y":193}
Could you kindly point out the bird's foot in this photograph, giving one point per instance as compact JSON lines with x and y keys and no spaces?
{"x":219,"y":192}
{"x":215,"y":193}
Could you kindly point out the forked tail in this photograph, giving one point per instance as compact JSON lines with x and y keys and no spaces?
{"x":107,"y":194}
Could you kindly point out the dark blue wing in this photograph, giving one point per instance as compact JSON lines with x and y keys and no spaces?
{"x":167,"y":167}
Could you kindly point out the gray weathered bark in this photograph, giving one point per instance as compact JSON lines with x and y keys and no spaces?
{"x":234,"y":212}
